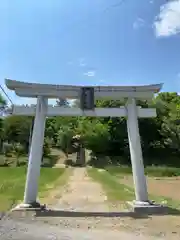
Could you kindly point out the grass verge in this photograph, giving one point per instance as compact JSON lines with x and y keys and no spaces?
{"x":12,"y":182}
{"x":114,"y":190}
{"x":120,"y":192}
{"x":52,"y":190}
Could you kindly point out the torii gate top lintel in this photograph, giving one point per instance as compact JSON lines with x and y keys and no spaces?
{"x":25,"y":89}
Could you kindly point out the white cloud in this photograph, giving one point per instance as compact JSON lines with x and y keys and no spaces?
{"x":151,"y":1}
{"x":90,"y":73}
{"x":167,"y":23}
{"x":138,"y":23}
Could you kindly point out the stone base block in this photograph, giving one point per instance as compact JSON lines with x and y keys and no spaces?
{"x":147,"y":207}
{"x":29,"y":207}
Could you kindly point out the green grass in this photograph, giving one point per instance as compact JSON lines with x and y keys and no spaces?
{"x":114,"y":190}
{"x":153,"y":171}
{"x":120,"y":192}
{"x":12,"y":182}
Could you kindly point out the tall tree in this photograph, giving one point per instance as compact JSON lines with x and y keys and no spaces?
{"x":62,"y":102}
{"x":17,"y":129}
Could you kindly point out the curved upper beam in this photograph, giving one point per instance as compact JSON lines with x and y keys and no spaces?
{"x":13,"y":85}
{"x":54,"y":91}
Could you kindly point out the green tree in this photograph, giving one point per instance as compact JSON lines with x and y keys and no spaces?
{"x":3,"y":107}
{"x":64,"y":139}
{"x":17,"y":130}
{"x":62,"y":102}
{"x":94,"y":134}
{"x":170,"y":128}
{"x":19,"y":150}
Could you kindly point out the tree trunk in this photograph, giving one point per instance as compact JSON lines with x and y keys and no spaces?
{"x":17,"y":161}
{"x":81,"y":159}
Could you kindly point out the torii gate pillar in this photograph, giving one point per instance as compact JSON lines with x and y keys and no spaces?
{"x":136,"y":153}
{"x":36,"y":150}
{"x":35,"y":156}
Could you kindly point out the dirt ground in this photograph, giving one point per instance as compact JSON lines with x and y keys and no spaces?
{"x":82,"y":196}
{"x":82,"y":205}
{"x":167,"y":187}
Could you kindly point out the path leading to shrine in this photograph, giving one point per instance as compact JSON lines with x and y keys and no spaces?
{"x":81,"y":211}
{"x":82,"y":194}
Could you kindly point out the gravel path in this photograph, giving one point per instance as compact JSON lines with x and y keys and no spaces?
{"x":17,"y":230}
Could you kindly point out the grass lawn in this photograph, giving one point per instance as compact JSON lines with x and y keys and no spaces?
{"x":117,"y":191}
{"x":12,"y":182}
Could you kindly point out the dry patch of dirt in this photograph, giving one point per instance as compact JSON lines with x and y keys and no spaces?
{"x":165,"y":227}
{"x":167,"y":187}
{"x":160,"y":226}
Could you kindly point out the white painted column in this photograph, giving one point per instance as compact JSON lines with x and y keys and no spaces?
{"x":136,"y":153}
{"x":35,"y":156}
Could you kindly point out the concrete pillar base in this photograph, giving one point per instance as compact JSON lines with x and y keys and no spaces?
{"x":148,"y":207}
{"x":27,"y":207}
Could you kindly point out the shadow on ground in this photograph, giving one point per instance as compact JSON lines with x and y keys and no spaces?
{"x":61,"y":213}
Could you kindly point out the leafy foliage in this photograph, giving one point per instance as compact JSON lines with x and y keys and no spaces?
{"x":17,"y":129}
{"x":160,"y":136}
{"x":62,"y":102}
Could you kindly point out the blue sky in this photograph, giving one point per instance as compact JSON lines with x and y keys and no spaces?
{"x":98,"y":42}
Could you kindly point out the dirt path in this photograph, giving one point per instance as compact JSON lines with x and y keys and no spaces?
{"x":82,"y":194}
{"x":62,"y":158}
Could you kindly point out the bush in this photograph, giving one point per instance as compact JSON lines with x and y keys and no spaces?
{"x":99,"y":161}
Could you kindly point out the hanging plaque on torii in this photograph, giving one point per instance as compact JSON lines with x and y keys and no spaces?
{"x":87,"y":98}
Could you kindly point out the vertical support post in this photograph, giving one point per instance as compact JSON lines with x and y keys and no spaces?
{"x":136,"y":153}
{"x":35,"y":155}
{"x":30,"y":136}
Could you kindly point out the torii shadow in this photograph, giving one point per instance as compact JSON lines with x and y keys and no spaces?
{"x":79,"y":214}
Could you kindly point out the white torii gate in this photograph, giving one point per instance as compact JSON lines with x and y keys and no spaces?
{"x":44,"y":91}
